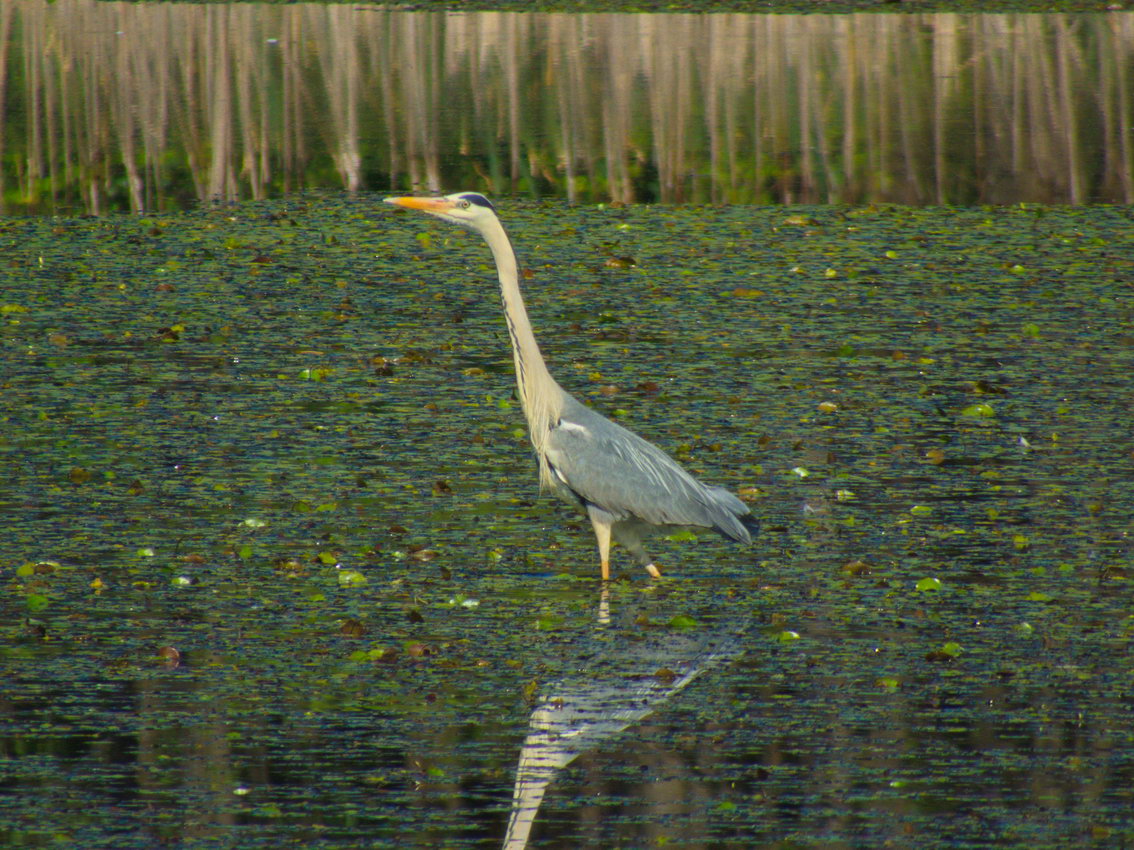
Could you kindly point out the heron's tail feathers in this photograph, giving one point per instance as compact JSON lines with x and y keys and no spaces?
{"x":732,"y":518}
{"x":740,"y":528}
{"x":751,"y":524}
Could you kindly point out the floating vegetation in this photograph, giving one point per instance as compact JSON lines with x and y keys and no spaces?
{"x":275,"y":571}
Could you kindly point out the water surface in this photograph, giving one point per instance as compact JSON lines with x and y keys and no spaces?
{"x":276,"y":573}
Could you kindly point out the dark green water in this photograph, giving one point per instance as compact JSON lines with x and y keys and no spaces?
{"x":276,"y":573}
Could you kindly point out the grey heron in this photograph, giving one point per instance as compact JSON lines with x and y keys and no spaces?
{"x":625,"y":485}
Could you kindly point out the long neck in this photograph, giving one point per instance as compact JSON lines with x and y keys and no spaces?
{"x":540,"y":396}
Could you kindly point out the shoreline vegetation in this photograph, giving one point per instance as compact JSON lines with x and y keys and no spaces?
{"x":152,"y":107}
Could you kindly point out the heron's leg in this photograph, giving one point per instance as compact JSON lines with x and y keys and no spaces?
{"x":630,"y":540}
{"x":602,"y":533}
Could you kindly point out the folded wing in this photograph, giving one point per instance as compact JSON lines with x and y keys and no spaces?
{"x":608,"y":466}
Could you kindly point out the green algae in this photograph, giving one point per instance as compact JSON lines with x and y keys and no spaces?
{"x":267,"y":513}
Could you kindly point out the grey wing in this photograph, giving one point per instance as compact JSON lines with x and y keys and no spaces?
{"x":608,"y":466}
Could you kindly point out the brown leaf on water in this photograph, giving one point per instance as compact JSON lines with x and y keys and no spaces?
{"x":801,"y":221}
{"x":817,"y":456}
{"x":352,"y":628}
{"x":170,"y":657}
{"x":290,"y":566}
{"x":529,"y":691}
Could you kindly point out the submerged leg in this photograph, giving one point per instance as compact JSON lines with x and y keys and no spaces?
{"x":629,"y":539}
{"x":602,"y":532}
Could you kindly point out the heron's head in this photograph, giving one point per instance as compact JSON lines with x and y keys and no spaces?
{"x":470,"y":209}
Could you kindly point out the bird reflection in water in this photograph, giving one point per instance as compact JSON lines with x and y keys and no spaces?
{"x":623,"y":680}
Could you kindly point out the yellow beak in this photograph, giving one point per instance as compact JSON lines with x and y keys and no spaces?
{"x":429,"y":205}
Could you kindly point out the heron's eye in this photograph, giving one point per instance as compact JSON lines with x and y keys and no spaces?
{"x":462,"y":204}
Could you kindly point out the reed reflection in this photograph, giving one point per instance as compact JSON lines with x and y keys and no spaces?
{"x":625,"y":675}
{"x":144,"y":106}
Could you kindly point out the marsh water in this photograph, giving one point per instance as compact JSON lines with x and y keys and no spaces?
{"x":275,"y":568}
{"x":276,"y":571}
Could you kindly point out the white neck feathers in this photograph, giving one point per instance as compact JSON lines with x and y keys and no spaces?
{"x":540,"y":395}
